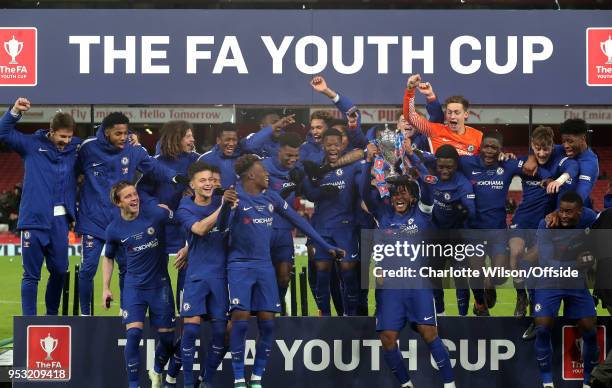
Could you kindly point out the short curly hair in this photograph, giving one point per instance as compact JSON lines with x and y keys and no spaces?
{"x":244,"y":163}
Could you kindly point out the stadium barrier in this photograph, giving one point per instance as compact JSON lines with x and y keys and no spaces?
{"x":308,"y":352}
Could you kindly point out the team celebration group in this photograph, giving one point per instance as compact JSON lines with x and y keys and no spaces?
{"x":228,"y":216}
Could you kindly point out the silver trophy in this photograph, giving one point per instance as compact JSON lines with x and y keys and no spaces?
{"x":13,"y":48}
{"x":48,"y":345}
{"x":387,"y":143}
{"x":606,"y":48}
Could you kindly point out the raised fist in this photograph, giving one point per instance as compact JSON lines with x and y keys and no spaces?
{"x":413,"y":81}
{"x":318,"y":83}
{"x":21,"y":105}
{"x":425,"y":89}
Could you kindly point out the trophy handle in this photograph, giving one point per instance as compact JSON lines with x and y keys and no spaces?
{"x":55,"y":343}
{"x":20,"y":45}
{"x":6,"y":47}
{"x":42,"y":344}
{"x":601,"y":46}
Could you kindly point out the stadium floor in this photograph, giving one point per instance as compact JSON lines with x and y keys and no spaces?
{"x":10,"y":305}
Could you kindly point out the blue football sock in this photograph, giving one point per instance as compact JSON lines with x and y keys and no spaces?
{"x":439,"y":299}
{"x":29,"y":294}
{"x":132,"y":355}
{"x":322,"y":294}
{"x":395,"y":361}
{"x":53,"y":294}
{"x":463,"y":300}
{"x":590,"y":352}
{"x":190,"y":334}
{"x":351,"y":291}
{"x":264,"y":346}
{"x":440,"y":356}
{"x":175,"y":363}
{"x":478,"y":295}
{"x":85,"y":290}
{"x":163,"y":350}
{"x":543,"y":348}
{"x":237,"y":345}
{"x":216,"y":350}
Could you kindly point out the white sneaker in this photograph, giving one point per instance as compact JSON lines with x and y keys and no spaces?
{"x":156,"y":379}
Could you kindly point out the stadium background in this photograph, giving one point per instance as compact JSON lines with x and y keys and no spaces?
{"x":515,"y":122}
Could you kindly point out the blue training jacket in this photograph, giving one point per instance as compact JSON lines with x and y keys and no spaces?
{"x":50,"y":175}
{"x":104,"y":165}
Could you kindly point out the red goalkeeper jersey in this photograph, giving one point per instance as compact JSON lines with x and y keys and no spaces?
{"x":467,"y":143}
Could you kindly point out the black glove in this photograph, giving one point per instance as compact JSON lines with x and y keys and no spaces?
{"x":218,"y":191}
{"x":324,"y":169}
{"x":311,"y":169}
{"x":462,"y":210}
{"x":181,"y":179}
{"x":329,"y":191}
{"x":287,"y":190}
{"x":585,"y":260}
{"x":297,"y":176}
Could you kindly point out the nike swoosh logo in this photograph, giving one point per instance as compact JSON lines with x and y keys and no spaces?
{"x":355,"y":255}
{"x":427,"y":318}
{"x":247,"y":208}
{"x":124,"y":240}
{"x":43,"y":150}
{"x":475,"y":172}
{"x":96,"y":164}
{"x":278,"y":305}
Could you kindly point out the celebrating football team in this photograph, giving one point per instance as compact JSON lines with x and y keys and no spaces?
{"x":228,"y":217}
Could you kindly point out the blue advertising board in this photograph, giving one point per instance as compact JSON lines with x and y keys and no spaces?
{"x":316,"y":352}
{"x":268,"y":56}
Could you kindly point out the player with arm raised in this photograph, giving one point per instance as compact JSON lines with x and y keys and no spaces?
{"x":334,"y":196}
{"x":251,"y":275}
{"x":139,"y":232}
{"x":48,"y":204}
{"x":205,"y":293}
{"x":538,"y":200}
{"x":105,"y":160}
{"x":265,"y":142}
{"x":464,"y":138}
{"x":397,"y":307}
{"x":491,"y":181}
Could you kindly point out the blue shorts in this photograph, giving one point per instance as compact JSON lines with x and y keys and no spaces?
{"x":577,"y":303}
{"x":253,"y":289}
{"x":343,"y":238}
{"x":281,"y":246}
{"x":527,"y":235}
{"x":205,"y":297}
{"x":396,"y":307}
{"x":159,"y":301}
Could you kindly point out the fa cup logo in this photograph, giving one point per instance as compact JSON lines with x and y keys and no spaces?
{"x":48,"y":344}
{"x":606,"y":48}
{"x":13,"y":48}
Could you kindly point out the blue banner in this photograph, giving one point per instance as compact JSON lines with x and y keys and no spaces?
{"x":268,"y":56}
{"x":311,"y":352}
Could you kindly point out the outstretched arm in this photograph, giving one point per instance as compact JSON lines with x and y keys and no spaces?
{"x":410,"y":113}
{"x":347,"y":108}
{"x":8,"y":133}
{"x":282,"y":208}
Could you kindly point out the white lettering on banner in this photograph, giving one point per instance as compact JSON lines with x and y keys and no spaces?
{"x":317,"y":354}
{"x":129,"y":54}
{"x":308,"y":358}
{"x":277,"y":53}
{"x":311,"y":53}
{"x":148,"y":54}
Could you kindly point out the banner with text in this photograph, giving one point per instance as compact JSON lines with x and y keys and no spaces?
{"x":308,"y":352}
{"x":268,"y":56}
